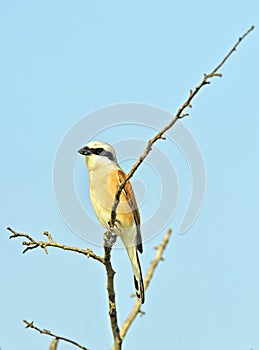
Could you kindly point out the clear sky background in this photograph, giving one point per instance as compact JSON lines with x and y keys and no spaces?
{"x":63,"y":59}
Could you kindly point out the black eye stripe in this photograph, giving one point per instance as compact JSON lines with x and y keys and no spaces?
{"x":102,"y":152}
{"x":108,"y":155}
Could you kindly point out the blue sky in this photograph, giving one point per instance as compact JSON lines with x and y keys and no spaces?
{"x":60,"y":61}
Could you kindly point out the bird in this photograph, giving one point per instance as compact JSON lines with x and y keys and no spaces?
{"x":105,"y":175}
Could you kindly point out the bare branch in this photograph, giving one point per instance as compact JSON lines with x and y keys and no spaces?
{"x":136,"y":309}
{"x":179,"y":115}
{"x":55,"y":336}
{"x":31,"y":243}
{"x":213,"y":73}
{"x":109,"y":240}
{"x":111,"y":292}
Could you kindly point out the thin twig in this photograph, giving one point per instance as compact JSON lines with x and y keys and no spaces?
{"x":111,"y":293}
{"x":54,"y":344}
{"x":179,"y":115}
{"x":55,"y":336}
{"x":31,"y":243}
{"x":136,"y":308}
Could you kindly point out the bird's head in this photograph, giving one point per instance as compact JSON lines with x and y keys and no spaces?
{"x":96,"y":151}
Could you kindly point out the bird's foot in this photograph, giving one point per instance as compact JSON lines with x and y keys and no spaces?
{"x":110,"y":238}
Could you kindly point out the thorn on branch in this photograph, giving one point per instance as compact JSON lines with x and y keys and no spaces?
{"x":89,"y":253}
{"x":181,"y":116}
{"x":44,"y":248}
{"x":142,"y":313}
{"x":162,"y":137}
{"x":29,"y":247}
{"x":11,"y":230}
{"x":46,"y":233}
{"x":28,"y":324}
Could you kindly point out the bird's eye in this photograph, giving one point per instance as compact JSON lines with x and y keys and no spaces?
{"x":98,"y":150}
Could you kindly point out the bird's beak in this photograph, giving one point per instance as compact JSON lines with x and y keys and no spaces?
{"x":85,"y":151}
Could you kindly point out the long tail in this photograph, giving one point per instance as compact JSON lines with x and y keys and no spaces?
{"x":138,"y":280}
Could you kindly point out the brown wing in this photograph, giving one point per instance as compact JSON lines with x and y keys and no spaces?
{"x":128,"y":192}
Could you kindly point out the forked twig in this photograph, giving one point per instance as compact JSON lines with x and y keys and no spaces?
{"x":179,"y":115}
{"x":55,"y":336}
{"x":31,"y":243}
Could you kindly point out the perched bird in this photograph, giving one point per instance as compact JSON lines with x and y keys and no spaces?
{"x":104,"y":176}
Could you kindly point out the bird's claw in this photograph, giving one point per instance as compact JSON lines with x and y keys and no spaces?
{"x":110,"y":238}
